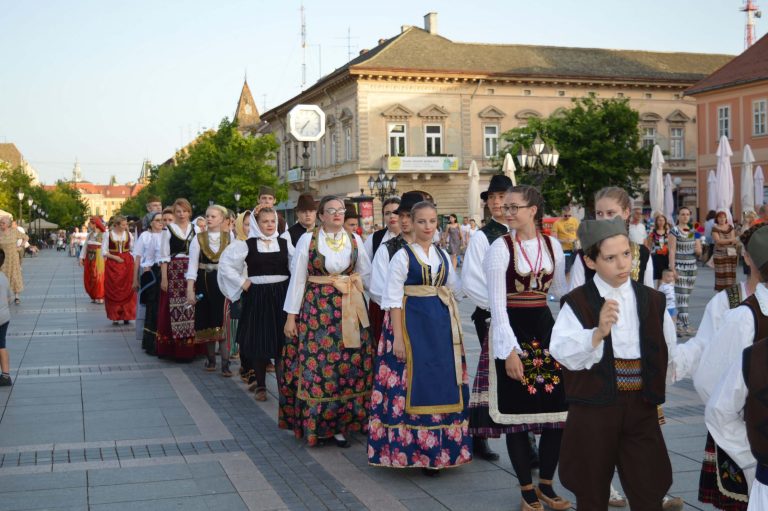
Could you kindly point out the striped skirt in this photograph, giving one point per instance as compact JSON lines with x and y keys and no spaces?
{"x":686,"y":279}
{"x":725,"y":270}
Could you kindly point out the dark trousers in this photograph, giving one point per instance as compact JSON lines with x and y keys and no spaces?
{"x":626,"y":435}
{"x":479,"y":318}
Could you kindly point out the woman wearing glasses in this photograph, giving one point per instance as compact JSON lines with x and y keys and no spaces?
{"x":526,"y":392}
{"x":328,"y":354}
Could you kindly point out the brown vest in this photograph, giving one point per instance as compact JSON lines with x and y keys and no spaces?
{"x":597,"y":385}
{"x":753,"y":366}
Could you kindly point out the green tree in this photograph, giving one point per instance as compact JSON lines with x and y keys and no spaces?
{"x":599,"y":146}
{"x":11,"y":181}
{"x":65,"y":206}
{"x":216,"y":165}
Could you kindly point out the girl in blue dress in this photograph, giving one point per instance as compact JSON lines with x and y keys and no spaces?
{"x":418,"y":414}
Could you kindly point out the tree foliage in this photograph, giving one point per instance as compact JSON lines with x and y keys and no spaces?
{"x":599,"y":145}
{"x":213,"y":168}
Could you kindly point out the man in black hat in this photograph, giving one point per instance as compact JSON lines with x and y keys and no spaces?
{"x":473,"y":282}
{"x":267,"y":198}
{"x":306,"y":213}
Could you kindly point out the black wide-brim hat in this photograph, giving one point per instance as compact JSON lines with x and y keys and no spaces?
{"x":409,"y":199}
{"x":499,"y":183}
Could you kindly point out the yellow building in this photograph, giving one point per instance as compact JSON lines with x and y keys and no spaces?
{"x":103,"y":200}
{"x":423,"y":107}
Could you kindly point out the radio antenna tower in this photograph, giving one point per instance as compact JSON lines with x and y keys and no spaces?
{"x":753,"y":13}
{"x":303,"y":48}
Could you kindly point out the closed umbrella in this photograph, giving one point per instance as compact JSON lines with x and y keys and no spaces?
{"x":473,"y":198}
{"x":711,"y":191}
{"x":656,"y":181}
{"x":508,"y":168}
{"x":669,"y":201}
{"x":747,"y":191}
{"x":724,"y":175}
{"x":759,"y":185}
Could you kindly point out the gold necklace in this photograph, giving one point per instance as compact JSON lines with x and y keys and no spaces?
{"x":336,"y":245}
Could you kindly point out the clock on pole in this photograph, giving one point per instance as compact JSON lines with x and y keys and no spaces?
{"x":306,"y":123}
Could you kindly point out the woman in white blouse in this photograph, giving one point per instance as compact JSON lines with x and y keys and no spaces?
{"x":119,"y":295}
{"x":525,"y":383}
{"x":203,"y":291}
{"x":176,"y":321}
{"x":256,"y":272}
{"x":328,"y":355}
{"x":146,"y":281}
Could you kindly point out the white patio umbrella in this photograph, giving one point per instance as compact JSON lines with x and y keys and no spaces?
{"x":747,"y":191}
{"x":669,"y":201}
{"x":724,"y":175}
{"x":711,"y":191}
{"x":759,"y":185}
{"x":473,"y":198}
{"x":508,"y":168}
{"x":656,"y":181}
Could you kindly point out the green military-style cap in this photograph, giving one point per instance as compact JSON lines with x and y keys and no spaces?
{"x":758,"y":247}
{"x":591,"y":232}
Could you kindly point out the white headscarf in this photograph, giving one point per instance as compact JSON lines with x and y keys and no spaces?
{"x":255,"y":232}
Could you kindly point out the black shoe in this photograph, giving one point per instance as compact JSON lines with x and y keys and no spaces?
{"x":125,"y":321}
{"x":210,"y":365}
{"x":5,"y":381}
{"x":430,"y":472}
{"x":482,"y":450}
{"x":342,"y":443}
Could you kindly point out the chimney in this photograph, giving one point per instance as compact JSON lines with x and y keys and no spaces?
{"x":430,"y":22}
{"x":363,"y":51}
{"x":403,"y":28}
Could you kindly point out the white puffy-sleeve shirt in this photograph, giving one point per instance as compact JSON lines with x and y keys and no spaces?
{"x":398,"y":272}
{"x":736,"y":332}
{"x":214,"y":242}
{"x":472,"y":273}
{"x":379,"y":269}
{"x":495,"y":265}
{"x":368,"y":243}
{"x":165,"y":241}
{"x":124,"y":236}
{"x":335,"y":263}
{"x":147,"y":248}
{"x":571,"y":343}
{"x":233,"y":271}
{"x":578,"y":276}
{"x":724,"y":416}
{"x":689,"y":354}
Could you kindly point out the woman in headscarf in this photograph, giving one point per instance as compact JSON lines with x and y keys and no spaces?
{"x":91,"y":260}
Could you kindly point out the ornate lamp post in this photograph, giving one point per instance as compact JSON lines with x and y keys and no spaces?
{"x":29,"y":203}
{"x":382,"y":187}
{"x":20,"y":195}
{"x":539,"y":159}
{"x":237,"y":201}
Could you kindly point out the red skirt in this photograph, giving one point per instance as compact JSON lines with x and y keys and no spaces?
{"x":93,"y":274}
{"x":119,"y":295}
{"x":175,"y":321}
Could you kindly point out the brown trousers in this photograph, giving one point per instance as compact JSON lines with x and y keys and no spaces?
{"x":626,"y":435}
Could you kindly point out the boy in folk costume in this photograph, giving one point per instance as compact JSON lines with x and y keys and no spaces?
{"x":615,"y":368}
{"x":736,"y":411}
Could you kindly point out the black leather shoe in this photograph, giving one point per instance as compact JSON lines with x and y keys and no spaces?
{"x":482,"y":450}
{"x":342,"y":443}
{"x":430,"y":472}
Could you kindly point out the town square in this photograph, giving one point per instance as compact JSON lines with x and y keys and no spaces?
{"x":311,"y":256}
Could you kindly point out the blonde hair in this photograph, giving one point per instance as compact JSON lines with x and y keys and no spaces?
{"x":221,"y":209}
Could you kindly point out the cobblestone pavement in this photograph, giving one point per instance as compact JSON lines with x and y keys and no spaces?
{"x":94,"y":423}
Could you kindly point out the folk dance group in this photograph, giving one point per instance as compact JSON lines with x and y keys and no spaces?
{"x":590,"y":384}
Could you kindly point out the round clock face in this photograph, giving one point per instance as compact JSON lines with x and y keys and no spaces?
{"x":307,"y":123}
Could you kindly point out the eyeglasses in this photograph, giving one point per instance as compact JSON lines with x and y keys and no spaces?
{"x":334,"y":211}
{"x":513,"y":209}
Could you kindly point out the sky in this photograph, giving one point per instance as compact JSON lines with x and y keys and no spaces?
{"x":112,"y":83}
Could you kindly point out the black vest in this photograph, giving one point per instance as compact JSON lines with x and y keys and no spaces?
{"x":376,"y":241}
{"x":295,"y":232}
{"x":267,"y":263}
{"x":180,"y":245}
{"x":493,"y":230}
{"x":597,"y":385}
{"x":394,"y":244}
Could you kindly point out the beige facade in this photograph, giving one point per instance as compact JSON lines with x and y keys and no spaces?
{"x":425,"y":119}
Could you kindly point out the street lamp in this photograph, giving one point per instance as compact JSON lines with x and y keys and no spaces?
{"x":20,"y":195}
{"x":237,"y":201}
{"x":29,"y":203}
{"x":383,"y":186}
{"x":539,"y":158}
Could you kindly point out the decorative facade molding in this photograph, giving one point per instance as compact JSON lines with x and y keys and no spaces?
{"x":397,"y":112}
{"x":346,"y":115}
{"x":527,"y":114}
{"x":678,"y":117}
{"x":650,"y":117}
{"x":491,"y":113}
{"x":433,"y":112}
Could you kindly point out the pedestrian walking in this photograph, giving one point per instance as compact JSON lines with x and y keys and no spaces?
{"x":119,"y":294}
{"x":725,"y":255}
{"x":328,"y":356}
{"x":526,"y":394}
{"x":684,"y":249}
{"x":657,"y":243}
{"x":9,"y":238}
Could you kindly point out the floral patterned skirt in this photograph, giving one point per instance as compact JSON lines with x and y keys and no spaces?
{"x":400,"y":440}
{"x":325,"y":387}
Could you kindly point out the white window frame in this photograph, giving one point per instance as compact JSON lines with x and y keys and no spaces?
{"x":724,"y":121}
{"x":676,"y":143}
{"x":347,"y":143}
{"x":397,"y":138}
{"x":649,"y":136}
{"x":759,"y":117}
{"x":490,"y":141}
{"x":436,"y":139}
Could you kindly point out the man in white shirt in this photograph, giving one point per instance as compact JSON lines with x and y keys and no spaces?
{"x":637,"y":232}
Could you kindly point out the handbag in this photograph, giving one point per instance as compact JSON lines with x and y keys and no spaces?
{"x":731,"y":251}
